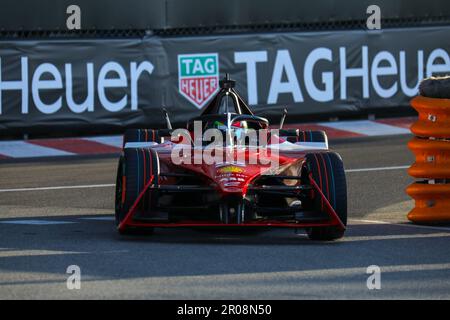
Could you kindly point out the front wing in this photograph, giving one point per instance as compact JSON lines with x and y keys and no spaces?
{"x":129,"y":221}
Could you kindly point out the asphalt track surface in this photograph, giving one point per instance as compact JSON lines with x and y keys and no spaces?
{"x":56,"y":213}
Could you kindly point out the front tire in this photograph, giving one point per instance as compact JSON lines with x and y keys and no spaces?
{"x":135,"y":169}
{"x":328,"y":172}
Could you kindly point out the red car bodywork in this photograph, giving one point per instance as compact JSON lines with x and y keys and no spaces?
{"x":212,"y":173}
{"x":234,"y":184}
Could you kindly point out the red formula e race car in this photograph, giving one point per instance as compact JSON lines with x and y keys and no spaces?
{"x":229,"y":169}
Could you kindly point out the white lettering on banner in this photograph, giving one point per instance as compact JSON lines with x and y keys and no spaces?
{"x":327,"y":77}
{"x":187,"y":62}
{"x":88,"y":103}
{"x":250,"y":58}
{"x":38,"y":84}
{"x":50,"y":87}
{"x":104,"y":82}
{"x":410,"y":91}
{"x":17,"y":84}
{"x":283,"y":63}
{"x":209,"y":65}
{"x":377,"y":71}
{"x":136,"y":71}
{"x":438,"y":68}
{"x":198,"y":67}
{"x":362,"y":72}
{"x":370,"y":73}
{"x":47,"y":77}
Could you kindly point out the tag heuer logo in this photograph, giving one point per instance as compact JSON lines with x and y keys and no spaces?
{"x":198,"y":77}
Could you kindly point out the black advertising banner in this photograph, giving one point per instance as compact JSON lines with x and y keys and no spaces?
{"x":110,"y":84}
{"x":86,"y":85}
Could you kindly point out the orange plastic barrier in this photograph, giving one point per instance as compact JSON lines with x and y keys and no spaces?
{"x":431,"y":146}
{"x":434,"y":117}
{"x":432,"y":202}
{"x":432,"y":158}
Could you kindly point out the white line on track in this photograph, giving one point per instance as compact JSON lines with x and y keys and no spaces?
{"x":9,"y":253}
{"x":366,"y":127}
{"x":23,"y":149}
{"x":408,"y":225}
{"x":378,"y":169}
{"x":112,"y":185}
{"x":107,"y":218}
{"x":60,"y":187}
{"x":36,"y":222}
{"x":397,"y":237}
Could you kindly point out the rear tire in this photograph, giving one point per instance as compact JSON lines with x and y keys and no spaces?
{"x":141,"y":135}
{"x":136,"y":166}
{"x":328,"y":172}
{"x":294,"y":135}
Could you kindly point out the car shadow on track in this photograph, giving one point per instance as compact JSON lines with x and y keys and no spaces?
{"x":101,"y":252}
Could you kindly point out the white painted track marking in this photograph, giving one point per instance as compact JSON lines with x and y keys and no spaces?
{"x":407,"y":225}
{"x":366,"y":127}
{"x":396,"y":237}
{"x":60,"y":187}
{"x":112,"y":185}
{"x":108,"y":218}
{"x":378,"y":169}
{"x":36,"y":222}
{"x":23,"y":149}
{"x":113,"y":141}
